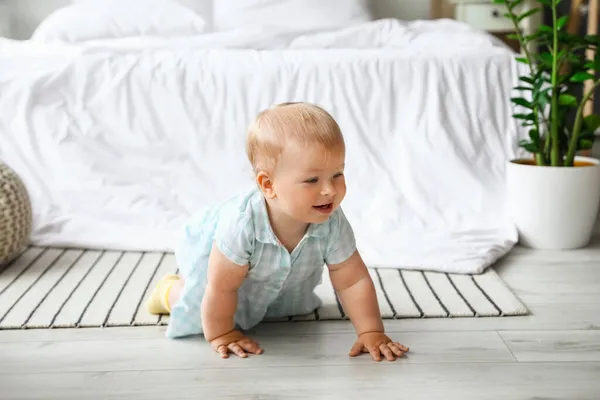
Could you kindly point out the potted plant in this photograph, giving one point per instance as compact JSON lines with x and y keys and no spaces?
{"x":553,"y":197}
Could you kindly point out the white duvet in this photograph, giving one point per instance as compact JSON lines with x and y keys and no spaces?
{"x":118,"y":141}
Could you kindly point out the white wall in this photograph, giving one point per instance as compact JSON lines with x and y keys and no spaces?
{"x":25,"y":15}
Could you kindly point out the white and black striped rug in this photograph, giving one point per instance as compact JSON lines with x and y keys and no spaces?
{"x":68,"y":288}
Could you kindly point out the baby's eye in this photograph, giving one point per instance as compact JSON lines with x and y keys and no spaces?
{"x":312,"y":180}
{"x":338,"y":174}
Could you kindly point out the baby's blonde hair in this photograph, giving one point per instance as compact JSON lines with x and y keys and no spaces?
{"x":300,"y":122}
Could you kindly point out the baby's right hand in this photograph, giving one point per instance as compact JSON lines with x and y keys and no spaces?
{"x":235,"y":342}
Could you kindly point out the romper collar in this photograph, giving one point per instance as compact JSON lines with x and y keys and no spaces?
{"x":262,"y":226}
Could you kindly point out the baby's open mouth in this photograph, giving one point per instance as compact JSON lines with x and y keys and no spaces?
{"x":324,"y":208}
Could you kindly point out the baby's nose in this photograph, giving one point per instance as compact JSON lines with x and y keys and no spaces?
{"x":328,"y":190}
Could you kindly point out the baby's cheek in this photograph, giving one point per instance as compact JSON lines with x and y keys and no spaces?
{"x":340,"y":187}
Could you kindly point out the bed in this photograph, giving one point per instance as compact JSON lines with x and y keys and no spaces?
{"x":121,"y":130}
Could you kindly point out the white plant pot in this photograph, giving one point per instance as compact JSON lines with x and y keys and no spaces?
{"x":554,"y":207}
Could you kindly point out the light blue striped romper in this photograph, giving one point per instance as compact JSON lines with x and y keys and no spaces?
{"x":278,"y":284}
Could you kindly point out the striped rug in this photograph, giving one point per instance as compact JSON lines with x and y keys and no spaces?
{"x":68,"y":288}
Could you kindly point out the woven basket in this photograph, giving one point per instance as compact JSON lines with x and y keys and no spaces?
{"x":15,"y":215}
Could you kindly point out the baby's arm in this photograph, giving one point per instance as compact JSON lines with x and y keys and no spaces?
{"x":219,"y":305}
{"x":354,"y":286}
{"x":220,"y":299}
{"x":356,"y":291}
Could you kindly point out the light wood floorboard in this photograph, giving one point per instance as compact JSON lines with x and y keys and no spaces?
{"x":553,"y":345}
{"x":470,"y":381}
{"x":280,"y":351}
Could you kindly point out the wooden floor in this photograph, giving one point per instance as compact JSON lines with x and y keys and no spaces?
{"x":552,"y":354}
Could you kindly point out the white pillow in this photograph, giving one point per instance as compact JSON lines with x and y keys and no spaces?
{"x":305,"y":15}
{"x":105,"y":19}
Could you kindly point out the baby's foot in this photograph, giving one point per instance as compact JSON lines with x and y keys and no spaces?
{"x":158,"y":302}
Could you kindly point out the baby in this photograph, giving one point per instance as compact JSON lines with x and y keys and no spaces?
{"x":262,"y":253}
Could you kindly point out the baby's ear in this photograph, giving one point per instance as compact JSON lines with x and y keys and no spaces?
{"x":265,"y":183}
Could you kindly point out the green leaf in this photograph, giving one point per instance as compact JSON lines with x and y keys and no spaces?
{"x":523,"y":88}
{"x":567,"y":100}
{"x":572,"y":58}
{"x":522,"y":102}
{"x":501,"y":2}
{"x":546,"y":58}
{"x":528,"y":14}
{"x":542,"y":99}
{"x":546,"y":28}
{"x":527,"y":145}
{"x":592,"y":122}
{"x":581,"y":77}
{"x":527,"y":79}
{"x":522,"y":60}
{"x":514,"y":3}
{"x":541,"y":78}
{"x":561,"y":22}
{"x":592,"y":39}
{"x":528,"y":117}
{"x":585,"y":144}
{"x":546,"y":2}
{"x":534,"y":135}
{"x":512,"y":36}
{"x":585,"y":134}
{"x":534,"y":36}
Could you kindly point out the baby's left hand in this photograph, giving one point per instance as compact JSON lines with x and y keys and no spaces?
{"x":377,"y":343}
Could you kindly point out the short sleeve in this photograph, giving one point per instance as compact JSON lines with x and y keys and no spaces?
{"x":234,"y":237}
{"x":341,"y":242}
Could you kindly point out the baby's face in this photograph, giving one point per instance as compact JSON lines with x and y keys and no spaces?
{"x":309,"y":181}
